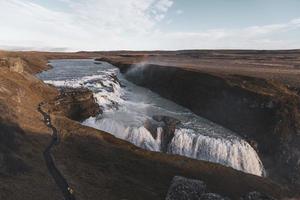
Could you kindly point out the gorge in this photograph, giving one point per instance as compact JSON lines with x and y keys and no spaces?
{"x":181,"y":119}
{"x":127,"y":107}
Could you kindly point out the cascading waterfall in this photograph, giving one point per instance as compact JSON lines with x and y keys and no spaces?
{"x":139,"y":136}
{"x":107,"y":90}
{"x":232,"y":152}
{"x":127,"y":108}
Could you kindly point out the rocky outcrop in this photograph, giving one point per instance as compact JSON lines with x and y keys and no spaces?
{"x":256,"y":196}
{"x":75,"y":103}
{"x":14,"y":64}
{"x":185,"y":189}
{"x":168,"y":126}
{"x":190,"y":189}
{"x":212,"y":196}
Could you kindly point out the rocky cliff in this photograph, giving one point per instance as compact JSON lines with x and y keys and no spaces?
{"x":264,"y":112}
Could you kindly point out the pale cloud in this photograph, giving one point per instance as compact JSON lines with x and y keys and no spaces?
{"x":88,"y":24}
{"x":295,"y":22}
{"x":164,"y":5}
{"x":115,"y":24}
{"x":254,"y":37}
{"x":179,"y":12}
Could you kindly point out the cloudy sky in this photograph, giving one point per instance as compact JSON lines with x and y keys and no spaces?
{"x":71,"y":25}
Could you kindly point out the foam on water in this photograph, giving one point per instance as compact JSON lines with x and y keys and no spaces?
{"x":106,"y":90}
{"x":126,"y":110}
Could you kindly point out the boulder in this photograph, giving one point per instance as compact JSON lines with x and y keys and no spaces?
{"x":256,"y":196}
{"x":212,"y":196}
{"x":185,"y":189}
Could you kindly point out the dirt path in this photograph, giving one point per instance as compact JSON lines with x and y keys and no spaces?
{"x":60,"y":181}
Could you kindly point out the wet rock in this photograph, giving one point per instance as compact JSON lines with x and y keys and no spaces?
{"x":114,"y":78}
{"x":256,"y":196}
{"x":166,"y":119}
{"x":185,"y":189}
{"x":95,"y":81}
{"x":152,"y":126}
{"x":169,"y":126}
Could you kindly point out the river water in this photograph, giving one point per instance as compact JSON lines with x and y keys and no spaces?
{"x":127,"y":107}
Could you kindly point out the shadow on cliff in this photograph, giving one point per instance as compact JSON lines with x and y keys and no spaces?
{"x":263,"y":112}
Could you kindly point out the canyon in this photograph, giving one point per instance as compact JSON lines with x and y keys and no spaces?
{"x":259,"y":103}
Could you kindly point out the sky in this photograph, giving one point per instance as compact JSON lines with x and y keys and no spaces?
{"x":75,"y":25}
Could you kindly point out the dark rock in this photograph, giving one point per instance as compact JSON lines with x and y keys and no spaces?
{"x":212,"y":196}
{"x":185,"y":189}
{"x":95,"y":81}
{"x":152,"y":125}
{"x":76,"y":103}
{"x":256,"y":196}
{"x":166,"y":119}
{"x":169,"y":127}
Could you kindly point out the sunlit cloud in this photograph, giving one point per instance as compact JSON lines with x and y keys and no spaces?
{"x":130,"y":24}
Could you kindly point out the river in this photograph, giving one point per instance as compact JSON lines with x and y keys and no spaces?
{"x":129,"y":109}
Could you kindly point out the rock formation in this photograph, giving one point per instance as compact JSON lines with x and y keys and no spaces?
{"x":75,"y":103}
{"x":168,"y":125}
{"x":185,"y":189}
{"x":182,"y":188}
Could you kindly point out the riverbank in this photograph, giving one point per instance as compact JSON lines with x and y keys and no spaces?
{"x":95,"y":164}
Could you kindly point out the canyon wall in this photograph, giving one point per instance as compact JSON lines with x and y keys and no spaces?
{"x":264,"y":112}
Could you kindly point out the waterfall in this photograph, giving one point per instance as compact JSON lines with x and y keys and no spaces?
{"x":127,"y":109}
{"x":138,"y":136}
{"x":142,"y":137}
{"x":107,"y":90}
{"x":233,"y":152}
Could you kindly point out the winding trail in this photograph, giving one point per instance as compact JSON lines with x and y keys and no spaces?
{"x":60,"y":181}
